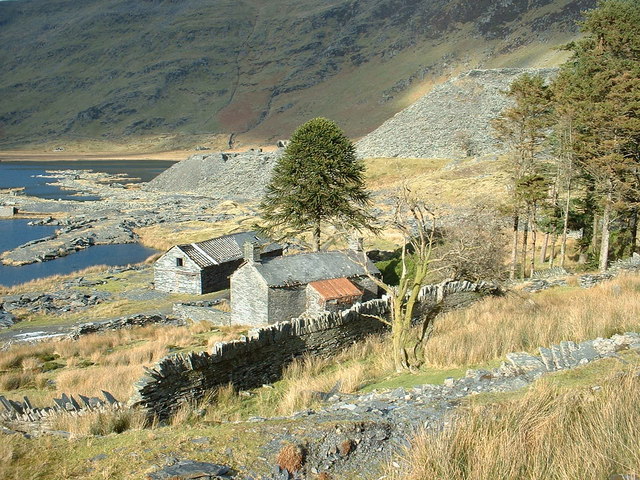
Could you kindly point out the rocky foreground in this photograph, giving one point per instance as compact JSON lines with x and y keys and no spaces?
{"x":355,"y":435}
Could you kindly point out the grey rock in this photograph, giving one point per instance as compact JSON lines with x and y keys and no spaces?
{"x":189,"y":469}
{"x":525,"y":363}
{"x":455,"y":117}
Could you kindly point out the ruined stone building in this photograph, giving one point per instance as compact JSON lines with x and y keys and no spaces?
{"x":204,"y":267}
{"x":276,"y":289}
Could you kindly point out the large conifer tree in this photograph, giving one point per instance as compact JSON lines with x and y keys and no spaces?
{"x":600,"y":86}
{"x":317,"y":181}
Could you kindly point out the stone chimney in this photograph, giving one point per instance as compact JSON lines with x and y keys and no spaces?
{"x":356,"y":243}
{"x":251,"y":252}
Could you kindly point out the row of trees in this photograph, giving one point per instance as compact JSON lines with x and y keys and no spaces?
{"x":575,"y":145}
{"x":589,"y":117}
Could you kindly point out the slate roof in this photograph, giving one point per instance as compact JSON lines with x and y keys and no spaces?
{"x":336,"y":288}
{"x":225,"y":249}
{"x":310,"y":267}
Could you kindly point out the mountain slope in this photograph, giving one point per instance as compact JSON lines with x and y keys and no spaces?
{"x":113,"y":68}
{"x":452,"y":121}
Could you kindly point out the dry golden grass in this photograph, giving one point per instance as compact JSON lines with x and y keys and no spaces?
{"x":347,"y":371}
{"x":494,"y":327}
{"x":52,"y":282}
{"x":110,"y":361}
{"x":165,"y":236}
{"x":548,"y":434}
{"x":459,"y":184}
{"x":101,"y":423}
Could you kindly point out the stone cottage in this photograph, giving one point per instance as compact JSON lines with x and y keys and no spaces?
{"x":204,"y":267}
{"x":276,"y":289}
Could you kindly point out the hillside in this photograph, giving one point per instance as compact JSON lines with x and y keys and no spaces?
{"x":119,"y":69}
{"x":452,"y":121}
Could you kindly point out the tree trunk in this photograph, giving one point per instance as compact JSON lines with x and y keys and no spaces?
{"x":316,"y":238}
{"x":534,"y":232}
{"x":543,"y":250}
{"x":604,"y":243}
{"x":565,"y":226}
{"x":525,"y":244}
{"x":552,"y":255}
{"x":514,"y":248}
{"x":594,"y":236}
{"x":634,"y":230}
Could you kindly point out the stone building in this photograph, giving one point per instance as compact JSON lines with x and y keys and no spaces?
{"x":204,"y":267}
{"x":277,"y":289}
{"x":8,"y":211}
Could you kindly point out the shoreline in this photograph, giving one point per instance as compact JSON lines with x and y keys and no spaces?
{"x":30,"y":156}
{"x":77,"y":156}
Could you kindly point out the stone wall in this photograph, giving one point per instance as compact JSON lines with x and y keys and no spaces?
{"x":261,"y":357}
{"x":7,"y":211}
{"x":168,"y":277}
{"x":254,"y":360}
{"x":249,"y":298}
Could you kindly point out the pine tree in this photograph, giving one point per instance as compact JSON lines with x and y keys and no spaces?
{"x":523,"y":128}
{"x":317,"y":181}
{"x":600,"y":85}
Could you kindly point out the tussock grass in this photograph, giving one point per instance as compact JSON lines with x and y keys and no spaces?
{"x":110,"y":361}
{"x":101,"y":423}
{"x":548,"y":433}
{"x":492,"y":328}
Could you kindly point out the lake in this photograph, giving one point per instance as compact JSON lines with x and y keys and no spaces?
{"x":97,"y":255}
{"x":25,"y":174}
{"x":15,"y":232}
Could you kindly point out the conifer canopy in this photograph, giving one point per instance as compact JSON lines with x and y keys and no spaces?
{"x":317,"y":181}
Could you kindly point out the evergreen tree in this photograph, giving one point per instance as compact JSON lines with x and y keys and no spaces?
{"x":523,"y":128}
{"x":600,"y":85}
{"x":318,"y":180}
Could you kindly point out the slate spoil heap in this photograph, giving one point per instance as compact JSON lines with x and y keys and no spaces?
{"x":210,"y":175}
{"x":452,"y":121}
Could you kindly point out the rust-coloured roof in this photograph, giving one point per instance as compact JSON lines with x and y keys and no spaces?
{"x":336,"y":288}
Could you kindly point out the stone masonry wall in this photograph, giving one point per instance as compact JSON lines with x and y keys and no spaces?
{"x":261,"y":356}
{"x":168,"y":277}
{"x":254,"y":360}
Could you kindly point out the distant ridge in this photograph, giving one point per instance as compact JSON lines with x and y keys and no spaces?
{"x":118,"y":70}
{"x":452,"y":121}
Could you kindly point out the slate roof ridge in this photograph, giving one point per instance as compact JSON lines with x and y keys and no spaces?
{"x":225,"y":248}
{"x":306,"y":267}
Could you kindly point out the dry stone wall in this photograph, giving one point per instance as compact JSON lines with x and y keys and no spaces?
{"x":261,"y":357}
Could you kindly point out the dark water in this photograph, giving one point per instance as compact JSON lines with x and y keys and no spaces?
{"x":96,"y":255}
{"x":16,"y":232}
{"x":25,"y":174}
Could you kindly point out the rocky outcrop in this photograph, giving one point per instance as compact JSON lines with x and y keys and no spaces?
{"x":452,"y":121}
{"x":131,"y":321}
{"x":224,"y":176}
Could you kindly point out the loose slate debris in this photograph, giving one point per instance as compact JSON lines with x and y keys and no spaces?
{"x":188,"y":470}
{"x":24,"y":411}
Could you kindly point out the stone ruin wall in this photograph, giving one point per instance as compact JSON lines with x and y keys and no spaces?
{"x":261,"y":357}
